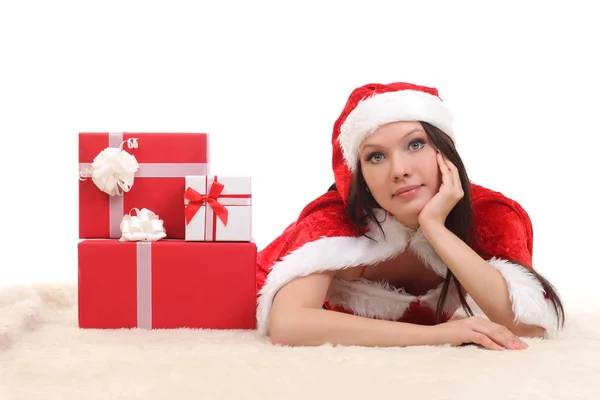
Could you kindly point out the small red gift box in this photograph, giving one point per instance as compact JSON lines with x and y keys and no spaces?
{"x":166,"y":284}
{"x":162,"y":160}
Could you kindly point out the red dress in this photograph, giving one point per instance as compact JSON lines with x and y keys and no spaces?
{"x":322,"y":239}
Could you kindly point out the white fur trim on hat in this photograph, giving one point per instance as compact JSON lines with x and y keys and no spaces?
{"x":384,"y":108}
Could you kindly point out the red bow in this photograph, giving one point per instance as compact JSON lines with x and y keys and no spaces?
{"x":197,"y":200}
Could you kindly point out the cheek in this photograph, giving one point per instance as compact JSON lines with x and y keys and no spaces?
{"x":374,"y":179}
{"x":431,"y":174}
{"x":435,"y":175}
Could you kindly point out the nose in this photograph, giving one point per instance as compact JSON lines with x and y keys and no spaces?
{"x":400,"y":167}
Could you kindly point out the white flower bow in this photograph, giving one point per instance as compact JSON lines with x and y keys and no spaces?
{"x":146,"y":226}
{"x":113,"y":169}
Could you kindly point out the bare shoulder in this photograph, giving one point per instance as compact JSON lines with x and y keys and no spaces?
{"x":349,"y":274}
{"x":305,"y":291}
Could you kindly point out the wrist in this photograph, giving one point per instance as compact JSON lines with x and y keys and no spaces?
{"x":431,"y":335}
{"x":429,"y":226}
{"x":410,"y":334}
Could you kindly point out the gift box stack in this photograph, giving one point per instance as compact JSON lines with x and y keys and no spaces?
{"x":165,"y":243}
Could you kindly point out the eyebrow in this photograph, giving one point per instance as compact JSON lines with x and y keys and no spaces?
{"x":414,"y":130}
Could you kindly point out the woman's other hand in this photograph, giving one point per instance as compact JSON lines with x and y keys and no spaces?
{"x":480,"y":331}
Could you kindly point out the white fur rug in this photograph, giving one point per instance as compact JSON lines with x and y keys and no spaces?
{"x":43,"y":355}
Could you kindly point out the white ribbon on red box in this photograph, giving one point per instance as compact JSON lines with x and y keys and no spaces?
{"x":113,"y":171}
{"x":144,"y":284}
{"x":145,"y":226}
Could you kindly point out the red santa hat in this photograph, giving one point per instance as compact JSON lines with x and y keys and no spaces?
{"x":373,"y":105}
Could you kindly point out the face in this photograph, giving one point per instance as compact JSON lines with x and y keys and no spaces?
{"x":399,"y":165}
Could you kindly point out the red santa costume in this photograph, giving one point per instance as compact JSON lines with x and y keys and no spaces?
{"x":323,"y":237}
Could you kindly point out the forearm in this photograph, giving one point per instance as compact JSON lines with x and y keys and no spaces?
{"x":484,"y":283}
{"x":314,"y":327}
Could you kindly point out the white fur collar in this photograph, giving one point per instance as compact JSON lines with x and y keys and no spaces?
{"x":379,"y":300}
{"x":337,"y":253}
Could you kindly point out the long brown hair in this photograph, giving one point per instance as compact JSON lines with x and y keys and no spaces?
{"x":361,"y":206}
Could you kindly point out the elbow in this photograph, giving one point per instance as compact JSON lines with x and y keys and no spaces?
{"x":534,"y":320}
{"x":279,"y":336}
{"x":536,"y":306}
{"x":281,"y":330}
{"x":529,"y":331}
{"x":279,"y":339}
{"x":292,"y":329}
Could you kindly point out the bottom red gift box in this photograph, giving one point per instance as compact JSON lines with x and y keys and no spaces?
{"x":166,"y":284}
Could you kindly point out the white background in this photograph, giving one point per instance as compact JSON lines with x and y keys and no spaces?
{"x":268,"y":80}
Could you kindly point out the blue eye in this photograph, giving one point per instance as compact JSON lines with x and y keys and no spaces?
{"x":372,"y":157}
{"x":416,"y":144}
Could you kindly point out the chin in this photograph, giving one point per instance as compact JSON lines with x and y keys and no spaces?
{"x":406,"y":214}
{"x":407,"y":217}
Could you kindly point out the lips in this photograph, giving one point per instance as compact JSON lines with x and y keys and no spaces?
{"x":405,"y":189}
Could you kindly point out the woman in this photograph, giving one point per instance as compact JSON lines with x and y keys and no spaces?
{"x":402,"y":241}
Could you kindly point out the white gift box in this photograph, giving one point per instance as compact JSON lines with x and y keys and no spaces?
{"x":218,"y":208}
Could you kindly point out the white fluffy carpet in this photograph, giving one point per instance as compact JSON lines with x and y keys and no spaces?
{"x":43,"y":355}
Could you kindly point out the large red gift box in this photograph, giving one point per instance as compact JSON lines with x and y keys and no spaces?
{"x":166,"y":284}
{"x":164,"y":160}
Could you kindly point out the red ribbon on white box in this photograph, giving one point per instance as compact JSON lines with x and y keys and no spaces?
{"x":146,"y":170}
{"x":214,"y":203}
{"x":144,"y":284}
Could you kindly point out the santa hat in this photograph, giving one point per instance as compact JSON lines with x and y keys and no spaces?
{"x":373,"y":105}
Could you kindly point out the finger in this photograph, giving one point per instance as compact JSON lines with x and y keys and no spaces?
{"x":454,"y":171}
{"x":485,"y":341}
{"x":501,"y":329}
{"x":446,"y":167}
{"x":446,"y":173}
{"x":502,"y":336}
{"x":517,"y":340}
{"x":455,"y":174}
{"x":442,"y":163}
